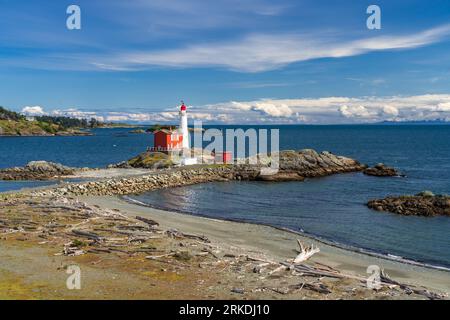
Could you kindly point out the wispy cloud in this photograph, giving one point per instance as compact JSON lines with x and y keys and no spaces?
{"x":257,"y":53}
{"x":200,"y":14}
{"x":258,"y":85}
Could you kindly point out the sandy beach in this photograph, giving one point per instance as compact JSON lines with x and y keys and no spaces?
{"x":127,"y":251}
{"x":130,"y":251}
{"x":278,"y":244}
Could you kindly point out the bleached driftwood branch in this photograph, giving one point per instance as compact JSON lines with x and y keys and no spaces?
{"x":305,"y":252}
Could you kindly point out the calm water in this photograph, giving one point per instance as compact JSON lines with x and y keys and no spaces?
{"x":16,"y":185}
{"x":332,"y":207}
{"x":105,"y":147}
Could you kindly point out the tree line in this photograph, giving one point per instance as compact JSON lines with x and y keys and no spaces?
{"x":64,"y":122}
{"x":67,"y":122}
{"x":6,"y":114}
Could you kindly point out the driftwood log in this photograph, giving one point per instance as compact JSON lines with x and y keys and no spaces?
{"x":150,"y":222}
{"x":86,"y":234}
{"x":180,"y":235}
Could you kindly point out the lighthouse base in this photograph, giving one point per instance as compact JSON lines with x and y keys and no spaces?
{"x":188,"y":161}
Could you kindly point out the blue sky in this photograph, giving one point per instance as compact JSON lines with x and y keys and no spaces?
{"x":231,"y":61}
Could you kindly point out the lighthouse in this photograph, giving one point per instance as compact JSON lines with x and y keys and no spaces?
{"x":186,"y":158}
{"x":184,"y":127}
{"x":175,"y":143}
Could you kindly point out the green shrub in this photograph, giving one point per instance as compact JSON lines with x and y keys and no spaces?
{"x":425,"y":194}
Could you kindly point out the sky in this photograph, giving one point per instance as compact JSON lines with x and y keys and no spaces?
{"x":231,"y":61}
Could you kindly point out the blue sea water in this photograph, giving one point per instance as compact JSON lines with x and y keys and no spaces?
{"x":332,"y":208}
{"x":105,"y":147}
{"x":16,"y":185}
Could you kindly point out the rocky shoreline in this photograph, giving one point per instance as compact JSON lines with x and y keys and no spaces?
{"x":152,"y":259}
{"x":294,"y":166}
{"x":37,"y":170}
{"x":423,"y":204}
{"x":69,"y":133}
{"x":148,"y":255}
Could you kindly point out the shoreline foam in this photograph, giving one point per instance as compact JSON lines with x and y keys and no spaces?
{"x":365,"y":251}
{"x":279,"y":244}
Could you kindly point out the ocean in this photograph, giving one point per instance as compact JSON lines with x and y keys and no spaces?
{"x":330,"y":208}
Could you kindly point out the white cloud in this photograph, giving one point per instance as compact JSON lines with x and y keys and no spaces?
{"x":75,"y":113}
{"x":257,"y":53}
{"x":390,"y":110}
{"x":445,"y":106}
{"x":356,"y":112}
{"x":133,"y":117}
{"x":33,"y":111}
{"x":327,"y":110}
{"x":266,"y":107}
{"x":335,"y":109}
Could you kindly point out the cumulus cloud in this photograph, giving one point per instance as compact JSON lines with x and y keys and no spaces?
{"x":265,"y":107}
{"x":356,"y":112}
{"x":75,"y":113}
{"x":133,"y":117}
{"x":33,"y":111}
{"x":326,"y":110}
{"x":336,"y":109}
{"x":445,"y":107}
{"x":390,"y":110}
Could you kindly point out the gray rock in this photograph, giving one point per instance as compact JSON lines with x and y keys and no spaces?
{"x":419,"y":205}
{"x":36,"y":170}
{"x":294,"y":166}
{"x":49,"y":167}
{"x":381,"y":170}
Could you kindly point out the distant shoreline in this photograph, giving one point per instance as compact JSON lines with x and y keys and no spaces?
{"x":86,"y":134}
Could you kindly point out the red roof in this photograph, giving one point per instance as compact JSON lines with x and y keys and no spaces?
{"x":166,"y":131}
{"x":183,"y":107}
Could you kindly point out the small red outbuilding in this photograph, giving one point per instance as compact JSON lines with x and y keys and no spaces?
{"x":167,"y":140}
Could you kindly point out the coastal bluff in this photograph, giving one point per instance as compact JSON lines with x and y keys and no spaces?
{"x":293,"y":166}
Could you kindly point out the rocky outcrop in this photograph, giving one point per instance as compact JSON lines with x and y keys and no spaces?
{"x":294,"y":166}
{"x":423,"y":204}
{"x":36,"y":170}
{"x":281,"y":176}
{"x":138,"y":131}
{"x":73,"y":132}
{"x":381,"y":170}
{"x":146,"y":160}
{"x":307,"y":163}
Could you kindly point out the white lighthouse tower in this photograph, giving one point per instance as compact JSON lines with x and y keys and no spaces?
{"x":186,"y":158}
{"x":184,"y":127}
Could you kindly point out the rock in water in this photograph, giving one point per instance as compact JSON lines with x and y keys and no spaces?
{"x":381,"y":170}
{"x":36,"y":170}
{"x":423,"y":204}
{"x":44,"y":166}
{"x":138,"y":131}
